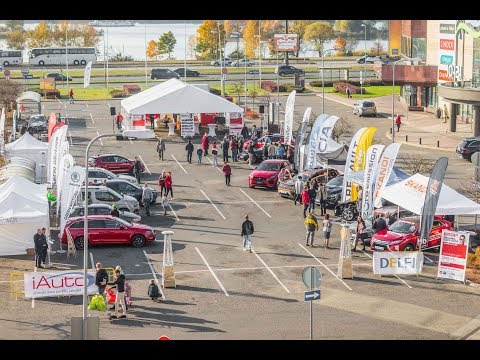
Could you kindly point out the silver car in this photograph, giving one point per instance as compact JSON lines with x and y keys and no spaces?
{"x":105,"y":209}
{"x":365,"y":108}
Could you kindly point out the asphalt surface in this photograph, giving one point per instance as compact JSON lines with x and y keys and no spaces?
{"x":223,"y":292}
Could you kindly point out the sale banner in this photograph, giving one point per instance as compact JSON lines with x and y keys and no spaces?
{"x":452,"y":261}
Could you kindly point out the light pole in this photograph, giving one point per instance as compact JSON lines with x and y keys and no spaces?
{"x":364,"y":59}
{"x":323,"y":76}
{"x":393,"y":93}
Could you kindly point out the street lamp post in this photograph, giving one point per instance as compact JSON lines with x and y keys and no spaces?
{"x":364,"y":59}
{"x":323,"y":76}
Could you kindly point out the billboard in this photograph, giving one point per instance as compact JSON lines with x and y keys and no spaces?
{"x":446,"y":51}
{"x":286,"y":42}
{"x":452,"y":262}
{"x":396,"y":262}
{"x":58,"y":283}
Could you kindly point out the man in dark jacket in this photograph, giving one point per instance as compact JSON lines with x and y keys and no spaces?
{"x":189,"y":148}
{"x":323,"y":199}
{"x":160,"y":148}
{"x":44,"y":246}
{"x":38,"y":241}
{"x":137,"y":169}
{"x":247,"y":231}
{"x":101,"y":278}
{"x":120,"y":296}
{"x":251,"y":148}
{"x":313,"y":195}
{"x":379,"y":224}
{"x":225,"y":145}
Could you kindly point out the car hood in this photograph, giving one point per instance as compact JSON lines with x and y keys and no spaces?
{"x":130,"y":215}
{"x":129,"y":199}
{"x":287,"y":183}
{"x":142,"y":226}
{"x":128,"y":177}
{"x":263,"y":173}
{"x":385,"y":235}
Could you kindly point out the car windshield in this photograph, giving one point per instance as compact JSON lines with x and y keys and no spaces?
{"x":337,"y":181}
{"x":123,"y":222}
{"x":402,"y":227}
{"x":268,"y":167}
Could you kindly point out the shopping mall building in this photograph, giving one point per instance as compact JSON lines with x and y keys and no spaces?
{"x":446,"y":73}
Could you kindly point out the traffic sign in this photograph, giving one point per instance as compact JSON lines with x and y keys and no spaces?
{"x":312,"y":295}
{"x":25,"y":71}
{"x":7,"y":73}
{"x":224,"y":71}
{"x":311,"y":277}
{"x":224,"y":76}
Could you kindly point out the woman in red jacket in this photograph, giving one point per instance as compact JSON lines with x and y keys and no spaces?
{"x":305,"y":200}
{"x":227,"y":171}
{"x":205,"y":144}
{"x":168,"y":185}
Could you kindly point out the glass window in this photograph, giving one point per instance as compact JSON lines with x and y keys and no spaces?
{"x":419,"y":48}
{"x":96,"y":224}
{"x":104,"y":196}
{"x":108,"y":159}
{"x":77,"y":225}
{"x":103,"y":211}
{"x":120,"y":159}
{"x":111,"y":224}
{"x":474,"y":144}
{"x":123,"y":186}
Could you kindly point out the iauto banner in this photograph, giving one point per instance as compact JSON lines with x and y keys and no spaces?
{"x":397,"y":262}
{"x":58,"y":283}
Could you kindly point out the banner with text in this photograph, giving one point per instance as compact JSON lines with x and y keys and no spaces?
{"x":2,"y":131}
{"x":288,"y":128}
{"x":58,"y":283}
{"x":384,"y":169}
{"x":300,"y":136}
{"x":452,"y":261}
{"x":285,"y":42}
{"x":86,"y":75}
{"x":397,"y":262}
{"x":373,"y":156}
{"x":72,"y":183}
{"x":352,"y":149}
{"x":188,"y":128}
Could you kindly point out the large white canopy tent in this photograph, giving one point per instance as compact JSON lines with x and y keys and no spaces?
{"x":30,"y":148}
{"x":23,"y":209}
{"x":410,"y":194}
{"x":28,"y":103}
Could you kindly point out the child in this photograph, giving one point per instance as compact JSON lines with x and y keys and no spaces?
{"x":199,"y":155}
{"x":128,"y":295}
{"x":153,"y":291}
{"x":165,"y":204}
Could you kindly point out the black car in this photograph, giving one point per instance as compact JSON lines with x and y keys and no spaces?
{"x":105,"y":209}
{"x":37,"y":124}
{"x":163,"y":74}
{"x":190,"y":73}
{"x":257,"y":155}
{"x":284,"y":70}
{"x":334,"y":191}
{"x":467,"y":147}
{"x":58,"y":77}
{"x":125,"y":187}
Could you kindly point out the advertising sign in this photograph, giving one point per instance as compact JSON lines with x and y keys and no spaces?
{"x":72,"y":183}
{"x":138,"y":122}
{"x":188,"y":128}
{"x":397,"y":262}
{"x":286,"y":42}
{"x":373,"y":157}
{"x":58,"y":283}
{"x":446,"y":51}
{"x":289,"y":109}
{"x":452,"y":261}
{"x":86,"y":75}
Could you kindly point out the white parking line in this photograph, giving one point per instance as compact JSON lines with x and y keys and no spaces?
{"x":174,"y":213}
{"x":91,"y":117}
{"x":86,"y":104}
{"x":143,"y":162}
{"x":253,"y":167}
{"x":185,"y":171}
{"x":154,"y":275}
{"x":326,"y":267}
{"x":213,"y":205}
{"x":216,"y":167}
{"x":101,"y":142}
{"x":70,"y":136}
{"x":256,"y":203}
{"x":91,"y":259}
{"x":426,"y":257}
{"x":130,"y":141}
{"x":211,"y":271}
{"x":399,"y":278}
{"x":271,"y":272}
{"x":43,"y":106}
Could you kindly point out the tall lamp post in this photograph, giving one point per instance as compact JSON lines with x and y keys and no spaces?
{"x":393,"y":93}
{"x":323,"y":76}
{"x":364,"y":59}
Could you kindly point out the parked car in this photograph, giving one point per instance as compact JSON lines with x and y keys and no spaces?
{"x":96,"y":176}
{"x":286,"y":188}
{"x":58,"y":77}
{"x":365,"y":108}
{"x":226,"y":61}
{"x":105,"y":209}
{"x":267,"y":139}
{"x":163,"y":74}
{"x":284,"y":70}
{"x":367,"y":59}
{"x":403,"y":235}
{"x":242,"y":63}
{"x":37,"y":124}
{"x":257,"y":155}
{"x":190,"y":73}
{"x":266,"y":174}
{"x":473,"y":242}
{"x":104,"y":195}
{"x":106,"y":230}
{"x":125,"y":187}
{"x":21,"y":123}
{"x":467,"y":147}
{"x":114,"y":163}
{"x":334,"y":191}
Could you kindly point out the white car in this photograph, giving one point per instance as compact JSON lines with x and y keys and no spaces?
{"x":96,"y":176}
{"x":104,"y":195}
{"x":221,"y":62}
{"x":242,"y":63}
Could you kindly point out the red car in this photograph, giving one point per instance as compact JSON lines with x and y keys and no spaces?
{"x":114,"y":163}
{"x":107,"y":229}
{"x":266,"y":173}
{"x":403,"y":234}
{"x":278,"y":138}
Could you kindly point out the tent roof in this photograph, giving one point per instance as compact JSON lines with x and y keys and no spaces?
{"x":177,"y":97}
{"x":410,"y":194}
{"x":26,"y":142}
{"x":29,"y":96}
{"x":396,"y":176}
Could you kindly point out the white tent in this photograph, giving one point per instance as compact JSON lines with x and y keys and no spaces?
{"x":23,"y":209}
{"x":410,"y":194}
{"x":30,"y":148}
{"x":177,"y":97}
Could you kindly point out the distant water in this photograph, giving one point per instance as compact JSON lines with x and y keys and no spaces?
{"x":131,"y":40}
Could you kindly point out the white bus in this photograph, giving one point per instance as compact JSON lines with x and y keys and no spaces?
{"x":57,"y":56}
{"x":11,"y":57}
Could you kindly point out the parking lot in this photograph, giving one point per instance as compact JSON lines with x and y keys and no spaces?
{"x":223,"y":292}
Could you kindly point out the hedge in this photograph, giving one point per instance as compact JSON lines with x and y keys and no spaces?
{"x":317,"y":83}
{"x":271,"y":86}
{"x":341,"y":87}
{"x":118,"y":93}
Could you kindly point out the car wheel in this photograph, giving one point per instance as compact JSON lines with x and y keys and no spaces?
{"x":408,"y":247}
{"x":6,"y":63}
{"x":75,"y":62}
{"x":79,"y":243}
{"x":83,"y":62}
{"x":348,"y":214}
{"x":41,"y":63}
{"x":138,"y":241}
{"x":282,"y":74}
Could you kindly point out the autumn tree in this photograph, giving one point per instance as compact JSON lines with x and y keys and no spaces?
{"x":13,"y":25}
{"x":191,"y":45}
{"x":318,"y":34}
{"x":16,"y":39}
{"x":166,"y":43}
{"x":350,"y":46}
{"x":9,"y":92}
{"x":40,"y":36}
{"x":207,"y":39}
{"x":250,"y":38}
{"x":298,"y":27}
{"x":89,"y":36}
{"x":152,"y":50}
{"x":269,"y":29}
{"x":238,"y":88}
{"x":340,"y":43}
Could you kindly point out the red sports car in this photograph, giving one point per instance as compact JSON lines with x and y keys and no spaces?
{"x":107,"y":229}
{"x":266,"y":173}
{"x":114,"y":163}
{"x":403,"y":234}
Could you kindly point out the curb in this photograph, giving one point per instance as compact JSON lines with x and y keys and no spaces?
{"x":388,"y":136}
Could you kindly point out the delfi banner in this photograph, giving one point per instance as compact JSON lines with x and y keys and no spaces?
{"x":384,"y":169}
{"x":288,"y":126}
{"x":66,"y":163}
{"x":72,"y":184}
{"x":300,"y":136}
{"x":58,"y":283}
{"x":352,"y":149}
{"x":452,"y":261}
{"x":397,"y":262}
{"x":373,"y":156}
{"x":86,"y":75}
{"x":2,"y":132}
{"x":360,"y":157}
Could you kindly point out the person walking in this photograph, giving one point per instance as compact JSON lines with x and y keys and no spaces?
{"x":280,"y":152}
{"x":247,"y":232}
{"x":115,"y":211}
{"x":160,"y":148}
{"x":119,"y":120}
{"x":137,"y":169}
{"x":311,"y":224}
{"x":205,"y":144}
{"x":161,"y":182}
{"x":227,"y":171}
{"x":120,"y":296}
{"x":323,"y":199}
{"x":169,"y":185}
{"x":199,"y":155}
{"x":271,"y":151}
{"x":244,"y":131}
{"x":360,"y":236}
{"x":70,"y":95}
{"x":215,"y":154}
{"x":101,"y":278}
{"x":147,"y":197}
{"x":165,"y":204}
{"x":234,"y":148}
{"x":298,"y":190}
{"x":327,"y":229}
{"x":398,"y":122}
{"x":251,"y":148}
{"x":189,"y":148}
{"x":305,"y":200}
{"x":312,"y":193}
{"x":265,"y":151}
{"x":445,"y":113}
{"x":225,"y":146}
{"x":347,"y":90}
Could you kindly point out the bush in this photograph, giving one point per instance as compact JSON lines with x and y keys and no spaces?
{"x":376,"y":82}
{"x":118,"y":93}
{"x":216,"y":92}
{"x":341,"y":87}
{"x":271,"y":86}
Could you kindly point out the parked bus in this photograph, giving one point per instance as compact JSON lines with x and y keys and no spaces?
{"x":57,"y":56}
{"x":11,"y":57}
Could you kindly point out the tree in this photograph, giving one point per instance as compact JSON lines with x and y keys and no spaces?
{"x":9,"y":92}
{"x":40,"y":36}
{"x":340,"y":43}
{"x":249,"y":38}
{"x":350,"y":46}
{"x":253,"y":94}
{"x":207,"y":39}
{"x":166,"y":43}
{"x":237,"y":54}
{"x":298,"y":27}
{"x":191,"y":44}
{"x":342,"y":128}
{"x":90,"y":37}
{"x":377,"y":47}
{"x":238,"y":88}
{"x":412,"y":163}
{"x":16,"y":39}
{"x":152,"y":49}
{"x":270,"y":28}
{"x":12,"y":25}
{"x":318,"y":33}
